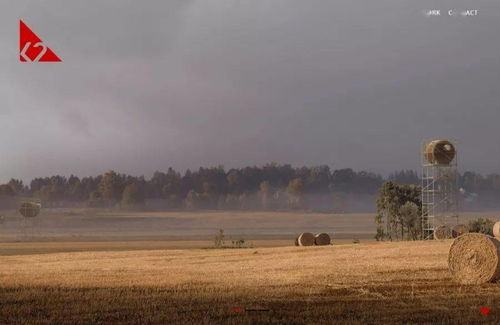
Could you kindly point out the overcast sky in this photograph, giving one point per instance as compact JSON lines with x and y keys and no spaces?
{"x":145,"y":85}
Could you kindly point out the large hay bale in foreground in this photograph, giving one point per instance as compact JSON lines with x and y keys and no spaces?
{"x":475,"y":258}
{"x":306,"y":239}
{"x":459,"y":230}
{"x":322,"y":239}
{"x":496,"y":229}
{"x":442,"y":232}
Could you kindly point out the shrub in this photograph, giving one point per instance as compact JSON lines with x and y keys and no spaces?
{"x":238,"y":243}
{"x":482,"y":225}
{"x":219,"y":239}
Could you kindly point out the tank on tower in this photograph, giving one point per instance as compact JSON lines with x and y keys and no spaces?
{"x":439,"y":152}
{"x":439,"y":186}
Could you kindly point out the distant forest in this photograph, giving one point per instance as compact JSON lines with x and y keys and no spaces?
{"x":270,"y":187}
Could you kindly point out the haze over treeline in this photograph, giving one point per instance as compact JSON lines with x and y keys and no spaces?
{"x":269,"y":187}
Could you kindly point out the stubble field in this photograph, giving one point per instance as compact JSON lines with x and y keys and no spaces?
{"x":347,"y":283}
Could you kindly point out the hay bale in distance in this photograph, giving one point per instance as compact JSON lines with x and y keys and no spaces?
{"x":459,"y":230}
{"x":474,"y":259}
{"x":496,"y":229}
{"x":306,"y":239}
{"x":296,"y":241}
{"x":442,"y":232}
{"x":322,"y":239}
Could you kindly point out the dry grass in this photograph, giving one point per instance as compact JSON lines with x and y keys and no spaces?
{"x":363,"y":283}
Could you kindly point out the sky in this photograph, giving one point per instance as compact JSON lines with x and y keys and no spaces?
{"x":147,"y":85}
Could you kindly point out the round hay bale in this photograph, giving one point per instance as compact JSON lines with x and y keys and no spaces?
{"x":296,"y":241}
{"x":306,"y":239}
{"x":474,"y":259}
{"x":496,"y":229}
{"x":459,"y":230}
{"x":439,"y":152}
{"x":442,"y":232}
{"x":322,"y":239}
{"x":29,"y":209}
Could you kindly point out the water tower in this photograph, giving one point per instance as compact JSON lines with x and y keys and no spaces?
{"x":29,"y":209}
{"x":439,"y":186}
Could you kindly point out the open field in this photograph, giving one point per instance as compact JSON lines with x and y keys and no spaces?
{"x":351,"y":283}
{"x":106,"y":225}
{"x":45,"y":247}
{"x":94,"y":224}
{"x":97,"y":266}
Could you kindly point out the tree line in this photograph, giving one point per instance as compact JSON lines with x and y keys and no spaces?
{"x":399,"y":214}
{"x":268,"y":187}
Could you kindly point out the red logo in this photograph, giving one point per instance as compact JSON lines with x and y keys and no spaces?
{"x":31,"y":47}
{"x":485,"y":310}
